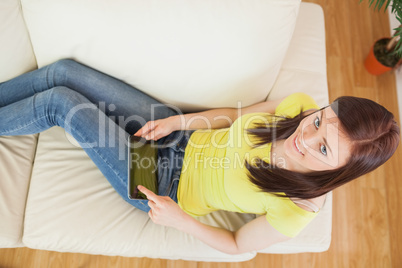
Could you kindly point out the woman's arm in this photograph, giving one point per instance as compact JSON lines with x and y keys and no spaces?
{"x":210,"y":119}
{"x":221,"y":118}
{"x":255,"y":235}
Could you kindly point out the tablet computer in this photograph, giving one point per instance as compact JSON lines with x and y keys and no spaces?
{"x":142,"y":166}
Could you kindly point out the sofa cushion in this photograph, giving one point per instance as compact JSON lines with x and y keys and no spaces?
{"x":193,"y":54}
{"x":17,"y":156}
{"x":71,"y":207}
{"x":16,"y":55}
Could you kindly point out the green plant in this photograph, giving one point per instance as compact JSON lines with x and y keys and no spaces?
{"x":394,"y":44}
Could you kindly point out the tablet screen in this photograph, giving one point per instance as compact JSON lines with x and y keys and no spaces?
{"x":142,"y":166}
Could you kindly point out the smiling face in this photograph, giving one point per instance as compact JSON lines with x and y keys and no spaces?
{"x":317,"y":144}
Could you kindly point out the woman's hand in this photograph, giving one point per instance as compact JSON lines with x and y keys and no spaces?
{"x":154,"y":130}
{"x":164,"y":210}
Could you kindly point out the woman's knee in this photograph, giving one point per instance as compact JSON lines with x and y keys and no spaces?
{"x":65,"y":97}
{"x":65,"y":65}
{"x":60,"y":71}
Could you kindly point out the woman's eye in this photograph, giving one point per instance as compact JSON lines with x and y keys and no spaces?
{"x":323,"y":149}
{"x":317,"y":122}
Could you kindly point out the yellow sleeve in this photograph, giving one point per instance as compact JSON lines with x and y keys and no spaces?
{"x":288,"y":218}
{"x":294,"y":104}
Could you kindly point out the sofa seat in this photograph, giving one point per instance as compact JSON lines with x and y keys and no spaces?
{"x":72,"y":208}
{"x":16,"y":163}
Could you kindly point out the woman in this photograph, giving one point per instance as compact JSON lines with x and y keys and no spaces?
{"x":251,"y":161}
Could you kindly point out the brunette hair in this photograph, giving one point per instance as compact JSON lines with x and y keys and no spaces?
{"x":370,"y":127}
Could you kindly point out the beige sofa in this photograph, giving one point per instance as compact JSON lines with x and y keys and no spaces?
{"x":193,"y":54}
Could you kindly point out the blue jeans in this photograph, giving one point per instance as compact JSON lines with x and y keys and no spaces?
{"x":99,"y":111}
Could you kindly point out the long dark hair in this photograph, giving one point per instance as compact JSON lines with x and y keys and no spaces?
{"x":371,"y":129}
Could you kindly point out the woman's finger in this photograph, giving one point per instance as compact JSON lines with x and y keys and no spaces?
{"x":160,"y":134}
{"x":149,"y":126}
{"x":142,"y":131}
{"x":138,"y":133}
{"x":150,"y":135}
{"x":151,"y":204}
{"x":149,"y":194}
{"x":151,"y":215}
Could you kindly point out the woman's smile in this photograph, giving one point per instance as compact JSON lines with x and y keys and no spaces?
{"x":297,"y":146}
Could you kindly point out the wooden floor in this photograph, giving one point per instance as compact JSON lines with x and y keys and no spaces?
{"x":367,"y":214}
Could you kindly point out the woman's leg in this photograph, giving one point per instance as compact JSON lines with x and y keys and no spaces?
{"x":126,"y":105}
{"x":61,"y":106}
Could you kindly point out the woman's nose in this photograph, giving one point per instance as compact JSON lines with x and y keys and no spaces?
{"x":309,"y":135}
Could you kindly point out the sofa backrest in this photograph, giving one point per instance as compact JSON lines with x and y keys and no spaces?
{"x":16,"y":54}
{"x":190,"y":53}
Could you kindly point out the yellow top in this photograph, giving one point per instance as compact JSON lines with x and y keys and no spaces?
{"x":214,"y":175}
